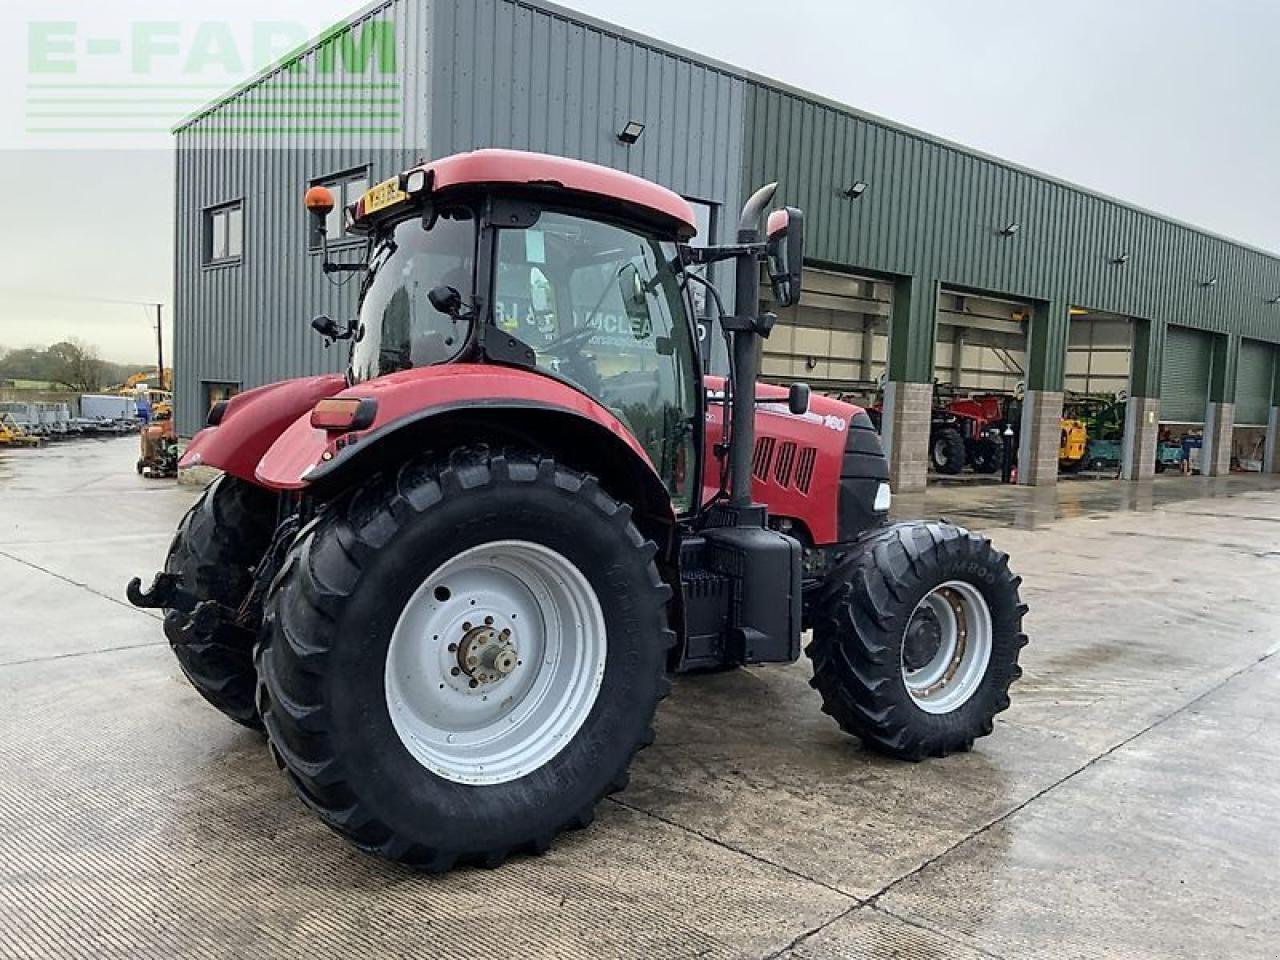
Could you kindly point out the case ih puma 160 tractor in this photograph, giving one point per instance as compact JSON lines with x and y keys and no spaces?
{"x":451,"y":584}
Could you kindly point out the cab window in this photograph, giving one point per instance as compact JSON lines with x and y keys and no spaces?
{"x":602,"y":308}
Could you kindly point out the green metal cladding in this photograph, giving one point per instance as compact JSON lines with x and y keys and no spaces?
{"x":934,"y":212}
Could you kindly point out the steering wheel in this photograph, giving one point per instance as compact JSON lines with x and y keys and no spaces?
{"x":569,"y":343}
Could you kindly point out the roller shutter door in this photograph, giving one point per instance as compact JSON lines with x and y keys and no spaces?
{"x":1253,"y":383}
{"x":820,"y":341}
{"x":1184,"y":387}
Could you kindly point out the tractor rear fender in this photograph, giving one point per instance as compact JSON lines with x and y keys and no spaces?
{"x":443,"y":407}
{"x":252,"y":421}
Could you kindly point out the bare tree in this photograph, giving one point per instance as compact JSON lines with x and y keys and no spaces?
{"x":76,"y":365}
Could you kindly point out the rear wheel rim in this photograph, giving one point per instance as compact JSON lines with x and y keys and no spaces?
{"x":957,"y":666}
{"x":495,"y":662}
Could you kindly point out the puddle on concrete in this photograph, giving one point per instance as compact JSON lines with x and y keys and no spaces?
{"x":982,"y":503}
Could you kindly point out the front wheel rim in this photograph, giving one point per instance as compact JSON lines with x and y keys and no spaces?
{"x":496,"y":662}
{"x":952,"y":673}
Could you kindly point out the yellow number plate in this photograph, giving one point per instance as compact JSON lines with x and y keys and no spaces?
{"x":386,"y":194}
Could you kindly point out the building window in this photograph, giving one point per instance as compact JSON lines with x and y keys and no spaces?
{"x":218,"y":390}
{"x":347,"y":189}
{"x":224,"y":233}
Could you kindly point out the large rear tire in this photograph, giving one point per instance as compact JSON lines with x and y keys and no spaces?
{"x":946,"y":451}
{"x":458,"y":662}
{"x":916,"y":639}
{"x":218,"y":543}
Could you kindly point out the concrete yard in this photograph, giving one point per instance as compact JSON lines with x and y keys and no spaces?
{"x":1125,"y":806}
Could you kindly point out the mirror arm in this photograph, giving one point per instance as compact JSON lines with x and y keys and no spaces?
{"x":697,"y":256}
{"x":330,"y":266}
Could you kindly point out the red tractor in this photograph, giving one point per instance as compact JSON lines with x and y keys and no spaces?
{"x":451,"y":585}
{"x":970,"y":430}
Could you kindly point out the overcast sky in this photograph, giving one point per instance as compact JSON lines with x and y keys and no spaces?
{"x":1169,"y":104}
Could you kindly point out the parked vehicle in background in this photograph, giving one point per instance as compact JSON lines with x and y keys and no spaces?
{"x":11,"y":434}
{"x":1073,"y":446}
{"x":107,"y":407}
{"x":1102,"y":418}
{"x":967,"y":429}
{"x":158,"y":454}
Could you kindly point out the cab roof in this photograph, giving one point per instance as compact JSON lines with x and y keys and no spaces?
{"x":588,"y":181}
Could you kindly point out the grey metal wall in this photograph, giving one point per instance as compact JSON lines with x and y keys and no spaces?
{"x":514,"y":74}
{"x":248,"y":322}
{"x":471,"y":74}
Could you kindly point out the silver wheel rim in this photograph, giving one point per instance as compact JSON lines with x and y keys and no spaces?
{"x":496,"y":662}
{"x":956,"y":669}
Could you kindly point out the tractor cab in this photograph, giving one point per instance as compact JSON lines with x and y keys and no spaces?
{"x":544,"y":263}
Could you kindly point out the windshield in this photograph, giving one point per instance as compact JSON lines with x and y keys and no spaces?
{"x":398,"y":327}
{"x":602,"y":308}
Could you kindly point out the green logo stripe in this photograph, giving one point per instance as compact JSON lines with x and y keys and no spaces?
{"x":254,"y":129}
{"x":182,"y":101}
{"x":239,"y":114}
{"x":215,"y":88}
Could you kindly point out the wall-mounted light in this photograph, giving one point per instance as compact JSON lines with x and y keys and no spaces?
{"x":1209,"y":282}
{"x":1121,"y":260}
{"x":855,"y":190}
{"x":631,"y":132}
{"x":811,"y":363}
{"x":1009,"y":229}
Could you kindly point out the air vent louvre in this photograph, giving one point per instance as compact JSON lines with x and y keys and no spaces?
{"x":762,"y":459}
{"x":786,"y":463}
{"x":804,"y":473}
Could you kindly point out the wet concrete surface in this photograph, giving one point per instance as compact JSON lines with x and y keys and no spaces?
{"x":1124,"y":806}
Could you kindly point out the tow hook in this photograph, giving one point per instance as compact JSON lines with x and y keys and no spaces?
{"x":165,"y":592}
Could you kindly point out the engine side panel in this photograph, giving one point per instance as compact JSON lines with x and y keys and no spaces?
{"x":253,"y":421}
{"x":816,"y":468}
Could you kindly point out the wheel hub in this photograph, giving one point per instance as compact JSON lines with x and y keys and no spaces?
{"x":495,"y":662}
{"x":486,"y":654}
{"x":947,"y":646}
{"x":923,"y":640}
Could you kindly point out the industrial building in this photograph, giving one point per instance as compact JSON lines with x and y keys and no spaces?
{"x":927,"y":262}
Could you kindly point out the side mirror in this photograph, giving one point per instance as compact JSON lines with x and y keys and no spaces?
{"x":786,"y":254}
{"x":328,"y":328}
{"x":539,"y":291}
{"x":798,"y":399}
{"x":447,"y":300}
{"x":634,"y":301}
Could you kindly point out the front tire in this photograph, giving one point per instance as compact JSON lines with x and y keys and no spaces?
{"x":391,"y":626}
{"x":916,"y":639}
{"x":987,"y":456}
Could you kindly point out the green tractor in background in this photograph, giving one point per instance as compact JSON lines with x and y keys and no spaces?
{"x":1103,"y":417}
